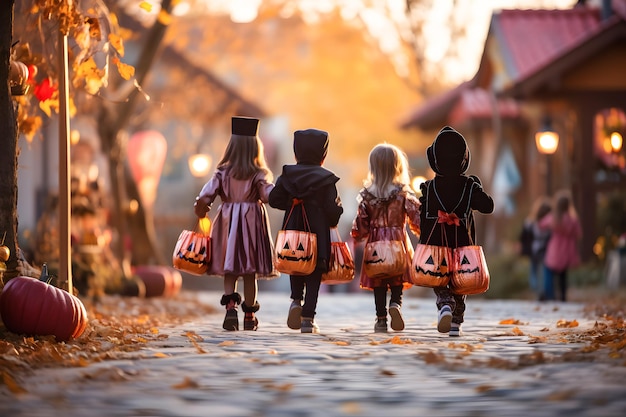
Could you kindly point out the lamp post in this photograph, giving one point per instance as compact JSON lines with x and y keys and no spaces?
{"x":547,"y":141}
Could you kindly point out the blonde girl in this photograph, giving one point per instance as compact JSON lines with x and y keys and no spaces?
{"x":386,"y":205}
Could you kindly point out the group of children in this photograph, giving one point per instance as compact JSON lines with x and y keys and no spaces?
{"x":242,"y":244}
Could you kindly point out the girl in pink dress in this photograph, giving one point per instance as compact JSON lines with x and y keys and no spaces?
{"x":562,"y":250}
{"x":241,"y":244}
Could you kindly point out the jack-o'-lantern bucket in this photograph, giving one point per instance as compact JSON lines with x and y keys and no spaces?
{"x":431,"y":266}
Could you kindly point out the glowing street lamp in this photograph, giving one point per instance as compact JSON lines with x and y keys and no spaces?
{"x":547,"y":141}
{"x":616,"y":142}
{"x":200,"y":164}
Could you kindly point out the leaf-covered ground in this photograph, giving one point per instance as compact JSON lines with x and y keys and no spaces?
{"x":117,"y":326}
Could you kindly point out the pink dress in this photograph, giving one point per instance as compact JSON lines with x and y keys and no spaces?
{"x":241,"y":240}
{"x":562,"y":250}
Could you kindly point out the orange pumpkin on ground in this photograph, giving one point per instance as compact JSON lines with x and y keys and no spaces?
{"x":33,"y":307}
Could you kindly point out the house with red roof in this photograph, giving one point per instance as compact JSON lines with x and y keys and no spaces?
{"x":544,"y":70}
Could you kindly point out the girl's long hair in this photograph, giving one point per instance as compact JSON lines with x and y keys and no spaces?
{"x":540,"y":208}
{"x":388,"y":168}
{"x":562,"y":205}
{"x":245,"y":156}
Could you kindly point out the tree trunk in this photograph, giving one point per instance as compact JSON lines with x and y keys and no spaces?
{"x":111,"y":124}
{"x":8,"y":143}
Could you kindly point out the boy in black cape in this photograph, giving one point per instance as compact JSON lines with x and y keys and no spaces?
{"x":447,"y":218}
{"x":310,"y":186}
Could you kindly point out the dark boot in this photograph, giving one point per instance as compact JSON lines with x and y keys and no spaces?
{"x":231,"y":301}
{"x":250,"y":322}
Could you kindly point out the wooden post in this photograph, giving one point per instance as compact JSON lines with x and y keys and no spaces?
{"x":65,"y":246}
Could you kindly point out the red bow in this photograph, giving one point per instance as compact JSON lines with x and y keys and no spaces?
{"x":448,"y":218}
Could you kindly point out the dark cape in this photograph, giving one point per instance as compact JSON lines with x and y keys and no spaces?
{"x":315,"y":186}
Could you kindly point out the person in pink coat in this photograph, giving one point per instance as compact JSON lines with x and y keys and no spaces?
{"x":562,"y":250}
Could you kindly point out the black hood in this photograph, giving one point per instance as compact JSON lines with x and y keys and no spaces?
{"x":449,"y":154}
{"x":303,"y":181}
{"x":310,"y":146}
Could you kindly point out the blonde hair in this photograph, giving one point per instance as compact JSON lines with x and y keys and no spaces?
{"x":388,"y":168}
{"x":245,"y":156}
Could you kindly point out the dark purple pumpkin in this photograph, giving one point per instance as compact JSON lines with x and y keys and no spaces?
{"x":159,"y":280}
{"x":32,"y":307}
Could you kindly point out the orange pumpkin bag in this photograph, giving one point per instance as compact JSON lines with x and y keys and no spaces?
{"x":341,"y":265}
{"x":470,"y":274}
{"x":384,"y":259}
{"x":296,"y":250}
{"x":431,"y":266}
{"x":192,"y":252}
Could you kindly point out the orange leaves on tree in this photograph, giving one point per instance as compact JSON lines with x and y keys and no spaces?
{"x":126,"y":71}
{"x":164,"y":18}
{"x":89,"y":76}
{"x":144,"y":5}
{"x":95,"y":32}
{"x":29,"y":126}
{"x":117,"y":43}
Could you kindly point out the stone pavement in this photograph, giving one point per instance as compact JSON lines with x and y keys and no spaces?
{"x":495,"y":369}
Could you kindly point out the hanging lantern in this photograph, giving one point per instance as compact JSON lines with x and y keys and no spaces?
{"x":18,"y":78}
{"x":146,"y":155}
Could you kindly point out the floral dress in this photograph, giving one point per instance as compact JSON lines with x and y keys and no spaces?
{"x":385,"y":219}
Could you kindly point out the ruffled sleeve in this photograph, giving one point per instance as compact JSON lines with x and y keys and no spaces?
{"x":361,"y":224}
{"x":412,"y":206}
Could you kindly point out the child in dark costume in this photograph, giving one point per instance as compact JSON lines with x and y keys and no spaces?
{"x":307,"y":185}
{"x":447,"y":219}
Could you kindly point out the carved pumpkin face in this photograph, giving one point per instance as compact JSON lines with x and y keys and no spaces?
{"x":296,"y":252}
{"x":192,"y":252}
{"x":471,"y":275}
{"x":431,"y":266}
{"x":384,"y":259}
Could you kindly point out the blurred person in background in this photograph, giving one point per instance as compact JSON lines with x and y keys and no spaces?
{"x":562,"y":249}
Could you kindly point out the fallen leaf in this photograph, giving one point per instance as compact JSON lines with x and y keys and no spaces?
{"x":510,"y":321}
{"x":186,"y":383}
{"x":12,"y":385}
{"x":517,"y":332}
